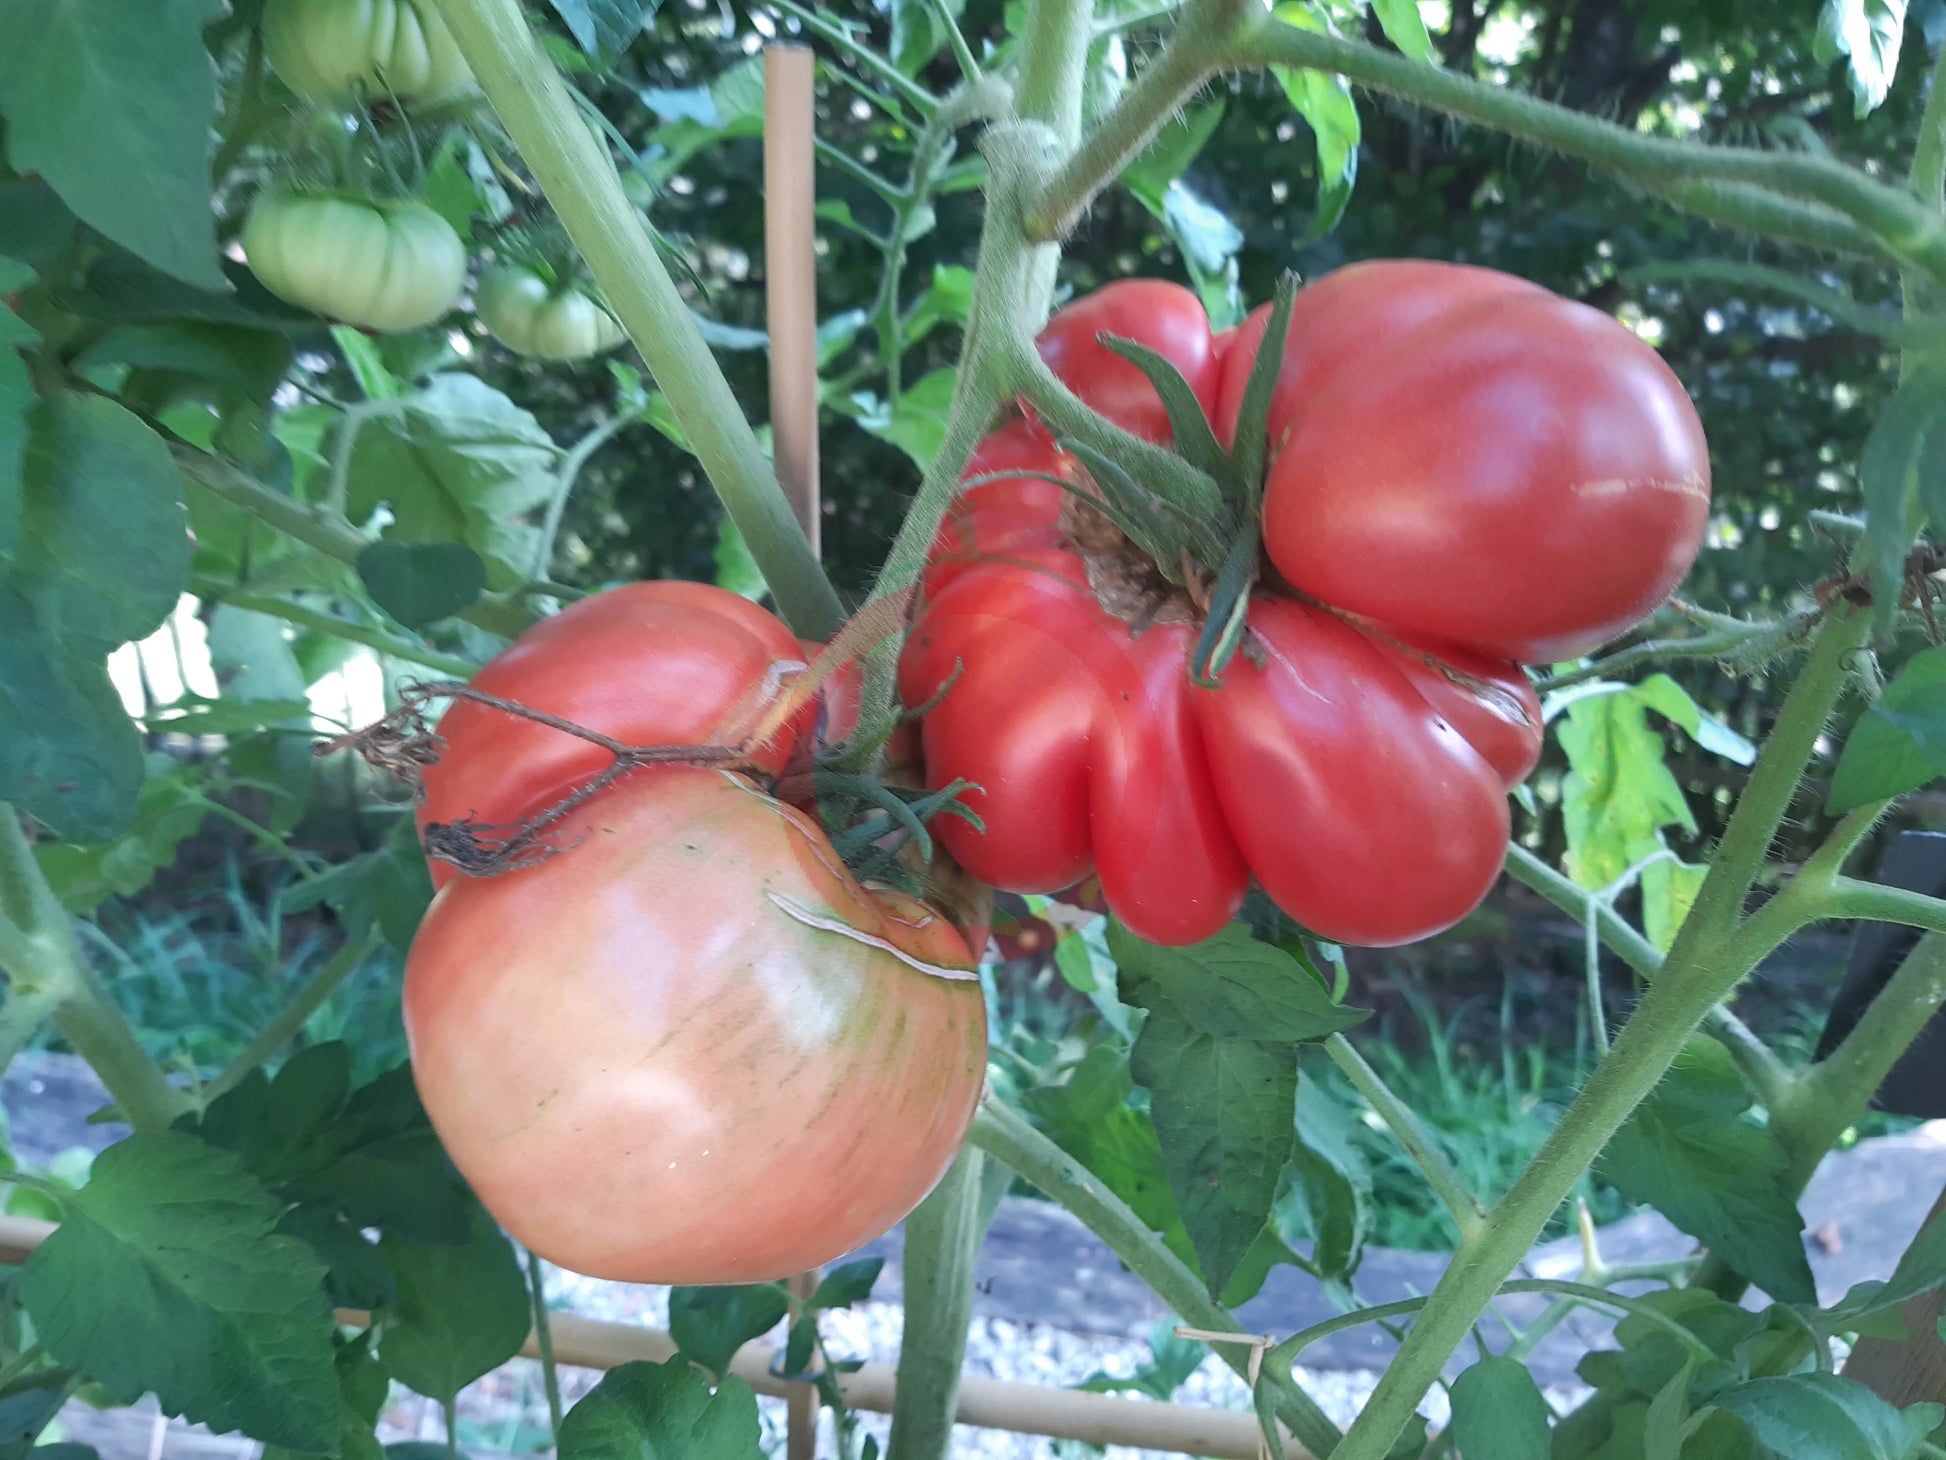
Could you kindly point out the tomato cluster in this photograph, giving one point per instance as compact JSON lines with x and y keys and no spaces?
{"x":689,"y":1046}
{"x":1462,"y":471}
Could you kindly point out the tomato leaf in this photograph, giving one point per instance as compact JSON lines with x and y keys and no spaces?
{"x":1688,"y":1152}
{"x":369,"y":1153}
{"x":1899,"y":743}
{"x":419,"y":583}
{"x":389,"y":888}
{"x":27,"y":1410}
{"x":1324,"y":102}
{"x":602,"y":28}
{"x":111,"y":101}
{"x":1868,"y":33}
{"x":68,"y":755}
{"x":644,"y":1411}
{"x":458,"y":462}
{"x":16,"y":396}
{"x":1328,"y":1176}
{"x":917,"y":424}
{"x":1921,"y":1269}
{"x":709,"y":1325}
{"x":1499,"y":1410}
{"x":170,"y":809}
{"x":363,"y":1389}
{"x":1404,"y":27}
{"x":1902,"y":474}
{"x":1824,"y":1417}
{"x":1232,"y":987}
{"x":848,"y":1283}
{"x":918,"y":32}
{"x":1223,"y":1112}
{"x":462,"y":1310}
{"x":165,"y":1275}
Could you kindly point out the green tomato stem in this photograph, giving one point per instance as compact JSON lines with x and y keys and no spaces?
{"x":1699,"y":972}
{"x":1412,"y":1134}
{"x":1004,"y":1134}
{"x":390,"y":645}
{"x":579,"y":179}
{"x":941,"y":1238}
{"x":544,"y":1341}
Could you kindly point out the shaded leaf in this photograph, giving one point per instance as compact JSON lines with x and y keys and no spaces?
{"x":165,"y":1275}
{"x":644,"y":1411}
{"x":462,"y":1310}
{"x":602,"y":28}
{"x":1325,"y":102}
{"x":917,"y":425}
{"x":1868,"y":33}
{"x":1688,"y":1152}
{"x":710,"y":1324}
{"x":419,"y":583}
{"x":111,"y":101}
{"x":1899,"y":743}
{"x":848,"y":1283}
{"x":1499,"y":1411}
{"x":1824,"y":1417}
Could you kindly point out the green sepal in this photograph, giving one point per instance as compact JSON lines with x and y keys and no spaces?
{"x":1228,"y":612}
{"x":1252,"y":439}
{"x":1195,"y":442}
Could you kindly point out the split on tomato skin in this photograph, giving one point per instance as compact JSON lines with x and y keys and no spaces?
{"x":687,"y":1045}
{"x":1536,"y":485}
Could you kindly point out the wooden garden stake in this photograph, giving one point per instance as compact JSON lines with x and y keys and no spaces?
{"x":791,"y":307}
{"x":790,"y":276}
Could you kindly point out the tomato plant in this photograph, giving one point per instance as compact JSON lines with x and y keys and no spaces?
{"x":337,"y":50}
{"x":531,"y":317}
{"x":1231,"y":639}
{"x":380,"y":265}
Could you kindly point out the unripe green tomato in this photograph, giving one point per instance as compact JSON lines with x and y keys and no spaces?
{"x":330,"y":50}
{"x":384,"y":266}
{"x":524,"y":314}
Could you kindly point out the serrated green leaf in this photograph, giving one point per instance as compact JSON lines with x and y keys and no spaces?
{"x":1868,"y":32}
{"x":389,"y":889}
{"x":710,"y":1324}
{"x":644,"y":1411}
{"x":1688,"y":1152}
{"x":917,"y":425}
{"x":736,"y":566}
{"x":112,"y":102}
{"x":1325,"y":102}
{"x":602,"y":28}
{"x":369,"y":1154}
{"x":1405,"y":27}
{"x":458,"y":463}
{"x":170,"y":809}
{"x":1824,"y":1417}
{"x":462,"y":1310}
{"x":1499,"y":1411}
{"x":1232,"y":987}
{"x":419,"y":583}
{"x":848,"y":1283}
{"x":1618,"y":794}
{"x":1330,"y":1179}
{"x":68,"y":755}
{"x":165,"y":1275}
{"x":1899,"y":473}
{"x":251,"y":362}
{"x":1899,"y":743}
{"x":1222,"y":1110}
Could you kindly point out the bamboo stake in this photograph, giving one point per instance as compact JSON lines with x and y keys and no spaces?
{"x":1096,"y":1419}
{"x":790,"y":276}
{"x":791,"y":307}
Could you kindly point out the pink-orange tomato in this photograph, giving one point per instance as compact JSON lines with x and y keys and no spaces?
{"x":690,"y":1047}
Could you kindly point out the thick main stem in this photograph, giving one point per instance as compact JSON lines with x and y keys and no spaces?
{"x":579,"y":179}
{"x":1003,"y":1134}
{"x":941,"y":1237}
{"x":1700,"y":970}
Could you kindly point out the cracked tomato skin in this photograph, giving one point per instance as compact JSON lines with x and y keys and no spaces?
{"x":1362,"y":787}
{"x":1166,"y":317}
{"x":1462,"y":455}
{"x":690,"y":1047}
{"x":657,"y":663}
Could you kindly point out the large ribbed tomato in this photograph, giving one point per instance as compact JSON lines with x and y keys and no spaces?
{"x":1459,"y":453}
{"x":1359,"y":779}
{"x":689,"y":1047}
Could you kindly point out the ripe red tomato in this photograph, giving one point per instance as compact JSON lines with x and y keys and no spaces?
{"x":1458,"y":453}
{"x":1166,"y":317}
{"x":659,"y":663}
{"x":691,"y":1048}
{"x":670,"y":1052}
{"x":1362,"y":785}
